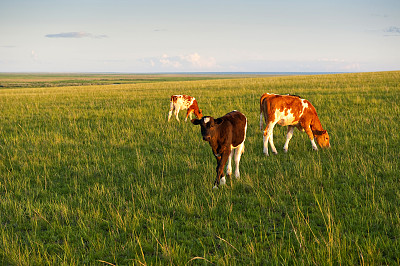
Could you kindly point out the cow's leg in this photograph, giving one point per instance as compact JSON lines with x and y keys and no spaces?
{"x":229,"y":164}
{"x":238,"y":154}
{"x":271,"y":142}
{"x":265,"y":142}
{"x":268,"y":137}
{"x":189,"y":114}
{"x":221,"y":161}
{"x":176,"y":113}
{"x":289,"y":135}
{"x":171,"y":108}
{"x":311,"y":136}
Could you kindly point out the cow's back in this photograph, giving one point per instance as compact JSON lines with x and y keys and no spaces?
{"x":282,"y":105}
{"x":283,"y":102}
{"x":239,"y":126}
{"x":182,"y":101}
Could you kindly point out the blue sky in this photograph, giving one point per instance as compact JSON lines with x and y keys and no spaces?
{"x":199,"y":35}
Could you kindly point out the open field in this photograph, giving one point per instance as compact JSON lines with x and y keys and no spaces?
{"x":95,"y":175}
{"x":36,"y":80}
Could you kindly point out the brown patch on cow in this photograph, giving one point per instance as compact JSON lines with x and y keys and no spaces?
{"x":174,"y":98}
{"x":187,"y":98}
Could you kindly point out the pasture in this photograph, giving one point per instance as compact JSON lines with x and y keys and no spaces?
{"x":95,"y":175}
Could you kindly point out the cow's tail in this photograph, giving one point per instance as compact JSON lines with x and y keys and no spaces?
{"x":261,"y":112}
{"x":261,"y":121}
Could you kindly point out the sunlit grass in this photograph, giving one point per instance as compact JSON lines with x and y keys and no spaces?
{"x":95,"y":174}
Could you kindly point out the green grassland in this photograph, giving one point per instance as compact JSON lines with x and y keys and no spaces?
{"x":96,"y":175}
{"x":29,"y":80}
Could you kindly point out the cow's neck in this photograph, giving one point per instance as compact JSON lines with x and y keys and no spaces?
{"x":316,"y":124}
{"x":196,"y":112}
{"x":214,"y":140}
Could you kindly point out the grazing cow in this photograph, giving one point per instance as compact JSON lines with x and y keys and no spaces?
{"x":183,"y":102}
{"x":291,"y":111}
{"x":224,"y":134}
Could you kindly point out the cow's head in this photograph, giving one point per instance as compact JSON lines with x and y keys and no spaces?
{"x":207,"y":125}
{"x":199,"y":114}
{"x":322,"y":138}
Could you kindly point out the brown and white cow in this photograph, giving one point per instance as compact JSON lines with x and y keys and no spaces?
{"x":225,"y":135}
{"x":183,"y":102}
{"x":291,"y":111}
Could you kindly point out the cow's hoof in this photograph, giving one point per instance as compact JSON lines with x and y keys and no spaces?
{"x":215,"y":187}
{"x":222,"y":181}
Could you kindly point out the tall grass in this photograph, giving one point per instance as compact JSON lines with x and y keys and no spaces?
{"x":96,"y":175}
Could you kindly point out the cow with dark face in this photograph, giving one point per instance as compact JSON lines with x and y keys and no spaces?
{"x":226,"y":136}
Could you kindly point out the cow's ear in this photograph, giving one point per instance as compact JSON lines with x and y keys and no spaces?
{"x":218,"y":121}
{"x":195,"y":121}
{"x":320,"y":132}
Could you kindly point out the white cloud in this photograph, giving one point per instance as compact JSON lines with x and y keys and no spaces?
{"x":167,"y":61}
{"x":196,"y":60}
{"x":185,"y":62}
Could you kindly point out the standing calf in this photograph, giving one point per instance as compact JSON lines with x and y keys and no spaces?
{"x":291,"y":111}
{"x":183,"y":102}
{"x":224,"y":134}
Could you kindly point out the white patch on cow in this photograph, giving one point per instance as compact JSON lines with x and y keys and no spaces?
{"x":215,"y":187}
{"x":236,"y":153}
{"x":222,"y":181}
{"x":283,"y":119}
{"x":304,"y":104}
{"x":314,"y":146}
{"x":206,"y":120}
